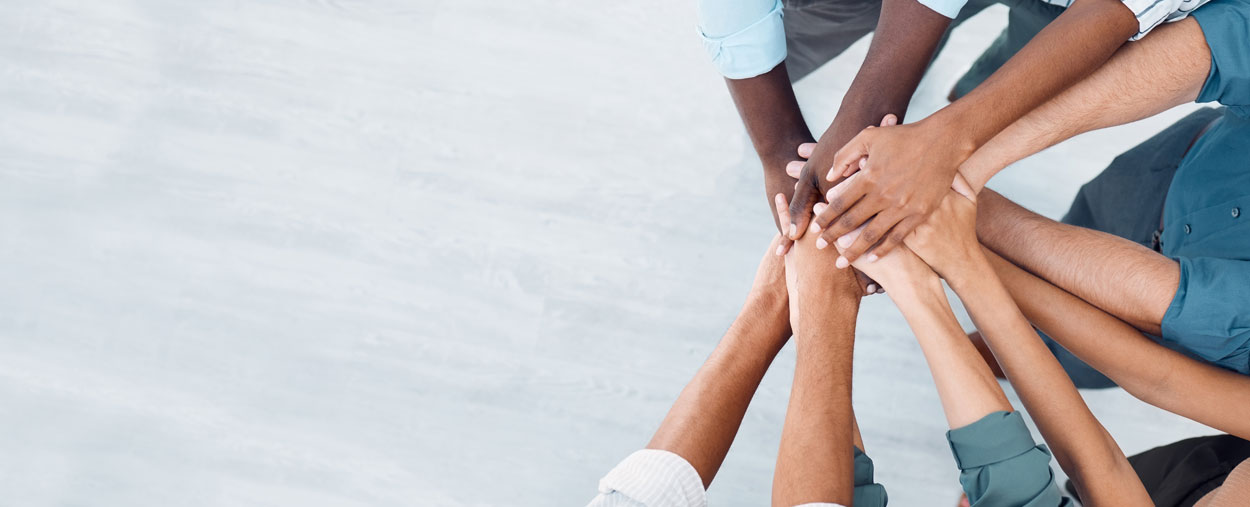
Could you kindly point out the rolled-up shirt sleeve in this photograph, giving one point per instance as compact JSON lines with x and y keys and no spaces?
{"x":1226,"y":27}
{"x":656,"y":478}
{"x":1000,"y":465}
{"x":1152,"y":13}
{"x":948,"y":8}
{"x":744,"y":38}
{"x":1208,"y":312}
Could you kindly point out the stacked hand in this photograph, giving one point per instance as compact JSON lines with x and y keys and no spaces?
{"x":896,"y":175}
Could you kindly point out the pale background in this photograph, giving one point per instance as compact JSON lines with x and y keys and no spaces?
{"x":392,"y":253}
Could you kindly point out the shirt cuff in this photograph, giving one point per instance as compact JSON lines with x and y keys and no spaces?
{"x":1152,"y":13}
{"x":1207,"y":314}
{"x":751,"y":51}
{"x":656,"y":478}
{"x":1226,"y":27}
{"x":996,"y":437}
{"x":948,"y":8}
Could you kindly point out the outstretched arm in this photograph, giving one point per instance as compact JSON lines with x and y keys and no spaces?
{"x":814,"y":463}
{"x":906,"y":37}
{"x":909,"y":167}
{"x":1082,"y":446}
{"x":704,"y":420}
{"x":1124,"y":278}
{"x":1149,"y":371}
{"x":964,"y":382}
{"x":1142,"y":79}
{"x":999,"y":461}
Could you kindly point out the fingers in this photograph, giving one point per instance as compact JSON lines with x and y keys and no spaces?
{"x":805,"y":195}
{"x":832,"y":227}
{"x":806,"y":149}
{"x":842,"y":198}
{"x":897,"y":236}
{"x":794,"y":168}
{"x":872,"y":233}
{"x":783,"y":217}
{"x":868,"y":285}
{"x":850,"y":154}
{"x":889,"y":120}
{"x":963,"y":188}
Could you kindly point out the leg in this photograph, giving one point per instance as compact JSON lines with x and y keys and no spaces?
{"x":819,"y":30}
{"x":816,"y":460}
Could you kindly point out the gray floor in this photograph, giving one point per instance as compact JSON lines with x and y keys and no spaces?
{"x":391,"y":253}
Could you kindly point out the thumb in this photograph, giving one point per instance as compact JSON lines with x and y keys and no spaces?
{"x":961,"y":186}
{"x":850,"y":154}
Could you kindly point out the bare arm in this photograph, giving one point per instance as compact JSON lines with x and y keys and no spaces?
{"x":704,"y":420}
{"x":775,"y":124}
{"x":909,"y":167}
{"x":1124,"y":278}
{"x":814,"y":463}
{"x":1149,"y":371}
{"x":1082,"y":446}
{"x":1142,"y":79}
{"x":902,"y":46}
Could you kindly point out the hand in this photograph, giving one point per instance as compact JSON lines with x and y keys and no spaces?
{"x":947,"y":241}
{"x":867,"y":285}
{"x":815,"y":157}
{"x":770,"y":277}
{"x":778,"y":182}
{"x":900,"y":271}
{"x":896,"y":176}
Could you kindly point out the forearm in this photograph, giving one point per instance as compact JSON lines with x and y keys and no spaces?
{"x":964,"y":382}
{"x":902,"y":46}
{"x":1122,"y":277}
{"x":771,"y":115}
{"x":1081,"y":445}
{"x":1142,"y":79}
{"x":1066,"y":51}
{"x":704,"y":420}
{"x":1149,"y":371}
{"x":814,"y":463}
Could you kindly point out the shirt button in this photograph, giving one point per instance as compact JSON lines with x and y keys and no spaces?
{"x":1236,"y":212}
{"x":1187,"y":229}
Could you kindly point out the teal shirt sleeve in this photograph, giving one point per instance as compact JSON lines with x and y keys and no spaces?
{"x":1226,"y":26}
{"x":1001,"y":466}
{"x":744,"y":38}
{"x":1208,"y":312}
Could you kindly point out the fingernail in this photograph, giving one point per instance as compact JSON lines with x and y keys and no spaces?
{"x":845,"y":240}
{"x":814,"y":228}
{"x":872,"y":288}
{"x":842,"y":263}
{"x":871,"y":258}
{"x":794,"y":229}
{"x":818,"y":208}
{"x":821,"y":243}
{"x":779,"y":249}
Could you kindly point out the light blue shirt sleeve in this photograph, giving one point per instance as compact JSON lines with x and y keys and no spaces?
{"x":948,"y":8}
{"x":745,"y":38}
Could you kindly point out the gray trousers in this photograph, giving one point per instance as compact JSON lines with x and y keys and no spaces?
{"x":819,"y":30}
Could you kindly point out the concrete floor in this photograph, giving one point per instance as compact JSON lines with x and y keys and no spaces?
{"x":332,"y":252}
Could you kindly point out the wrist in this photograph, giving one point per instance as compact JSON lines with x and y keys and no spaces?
{"x":971,"y":269}
{"x":954,"y":128}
